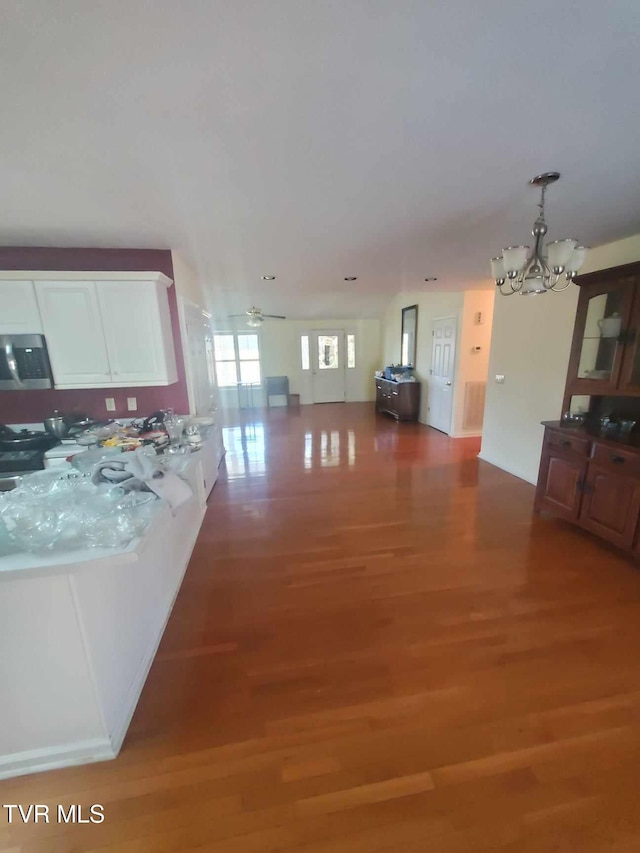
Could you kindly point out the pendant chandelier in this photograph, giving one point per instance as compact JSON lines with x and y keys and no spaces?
{"x":523,"y":270}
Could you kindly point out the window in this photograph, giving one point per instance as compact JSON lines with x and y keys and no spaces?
{"x":304,"y":351}
{"x":351,"y":350}
{"x":328,"y":348}
{"x":237,"y":358}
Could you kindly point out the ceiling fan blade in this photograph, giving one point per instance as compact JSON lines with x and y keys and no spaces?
{"x":275,"y":316}
{"x":231,"y":316}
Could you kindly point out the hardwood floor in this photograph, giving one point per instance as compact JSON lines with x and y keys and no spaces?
{"x":376,"y":647}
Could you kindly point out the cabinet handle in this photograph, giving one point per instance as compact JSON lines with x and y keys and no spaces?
{"x":619,"y":460}
{"x":565,"y":443}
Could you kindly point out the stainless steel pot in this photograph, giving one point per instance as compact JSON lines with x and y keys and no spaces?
{"x":57,"y":424}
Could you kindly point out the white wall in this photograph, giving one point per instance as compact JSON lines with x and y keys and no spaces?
{"x":472,"y":365}
{"x":189,"y":285}
{"x":530,"y":346}
{"x":431,"y":306}
{"x":280,"y":356}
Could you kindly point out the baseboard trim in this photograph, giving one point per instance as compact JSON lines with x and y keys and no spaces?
{"x":55,"y":757}
{"x":502,"y":467}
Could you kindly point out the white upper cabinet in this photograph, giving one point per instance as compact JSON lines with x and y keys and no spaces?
{"x":19,"y":314}
{"x":73,"y":332}
{"x":108,"y":333}
{"x":137,"y":329}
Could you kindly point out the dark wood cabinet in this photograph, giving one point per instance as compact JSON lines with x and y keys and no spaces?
{"x":400,"y":399}
{"x":605,"y":351}
{"x":610,"y":505}
{"x":559,"y":483}
{"x":590,"y":474}
{"x":592,"y":482}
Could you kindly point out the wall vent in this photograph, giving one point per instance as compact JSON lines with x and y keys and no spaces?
{"x":473,"y":411}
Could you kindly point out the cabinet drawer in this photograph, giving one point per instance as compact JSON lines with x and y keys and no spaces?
{"x":622,"y":462}
{"x":568,"y":443}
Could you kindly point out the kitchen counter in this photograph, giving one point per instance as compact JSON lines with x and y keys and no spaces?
{"x":79,"y":631}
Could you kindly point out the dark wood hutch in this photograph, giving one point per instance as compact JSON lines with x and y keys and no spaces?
{"x":590,"y":472}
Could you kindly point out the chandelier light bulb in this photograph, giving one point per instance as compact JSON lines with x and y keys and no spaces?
{"x":497,"y":269}
{"x":578,"y":258}
{"x":559,"y":253}
{"x":514,"y":257}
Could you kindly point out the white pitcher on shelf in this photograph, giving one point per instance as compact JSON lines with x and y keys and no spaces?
{"x":610,"y":326}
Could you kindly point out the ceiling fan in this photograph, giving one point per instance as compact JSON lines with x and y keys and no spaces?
{"x":255,"y":317}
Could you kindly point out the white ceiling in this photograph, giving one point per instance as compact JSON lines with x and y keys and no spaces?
{"x":314,"y":139}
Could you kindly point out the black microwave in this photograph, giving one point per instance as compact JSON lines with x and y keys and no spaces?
{"x":24,"y":363}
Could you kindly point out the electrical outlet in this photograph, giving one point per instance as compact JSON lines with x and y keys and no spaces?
{"x":132,"y":404}
{"x":500,"y":378}
{"x":110,"y":403}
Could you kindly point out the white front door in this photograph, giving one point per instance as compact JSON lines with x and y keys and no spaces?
{"x":327,"y":366}
{"x":441,"y":379}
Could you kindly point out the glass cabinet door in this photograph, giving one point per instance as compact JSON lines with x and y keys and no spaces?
{"x":601,"y":329}
{"x":630,"y":376}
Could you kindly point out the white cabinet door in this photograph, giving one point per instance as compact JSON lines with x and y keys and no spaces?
{"x":73,"y":330}
{"x":137,"y":328}
{"x":19,"y":314}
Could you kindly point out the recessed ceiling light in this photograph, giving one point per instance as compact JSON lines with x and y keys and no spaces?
{"x":431,"y":278}
{"x":268,"y":278}
{"x":351,"y":278}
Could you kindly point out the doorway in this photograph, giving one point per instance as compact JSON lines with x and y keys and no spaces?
{"x":443,"y":352}
{"x":328,"y":366}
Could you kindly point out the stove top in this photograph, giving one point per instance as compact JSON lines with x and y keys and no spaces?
{"x":21,"y":460}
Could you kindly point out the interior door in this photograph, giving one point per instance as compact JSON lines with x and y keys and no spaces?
{"x":199,"y":347}
{"x":443,"y":354}
{"x":328,"y":364}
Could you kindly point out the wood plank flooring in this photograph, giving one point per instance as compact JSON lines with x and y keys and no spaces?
{"x":376,"y":647}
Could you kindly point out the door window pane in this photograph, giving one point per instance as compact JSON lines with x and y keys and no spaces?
{"x":248,"y":347}
{"x":351,"y":351}
{"x":304,"y":351}
{"x":227,"y":374}
{"x":328,"y":352}
{"x":250,"y":372}
{"x":224,"y":349}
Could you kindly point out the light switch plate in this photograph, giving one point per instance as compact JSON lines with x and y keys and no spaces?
{"x":500,"y":378}
{"x":110,"y":403}
{"x":132,"y":404}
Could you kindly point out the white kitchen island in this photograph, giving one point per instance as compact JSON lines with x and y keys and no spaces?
{"x":78,"y":633}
